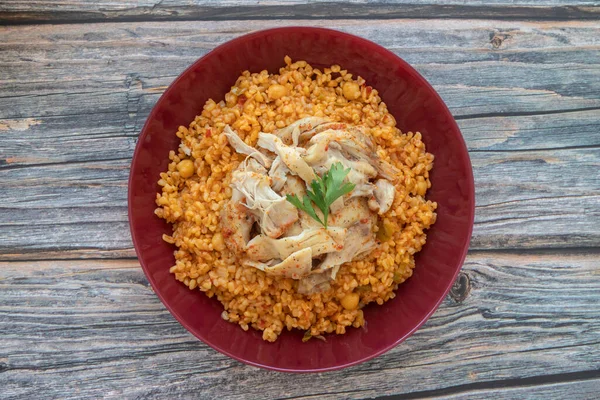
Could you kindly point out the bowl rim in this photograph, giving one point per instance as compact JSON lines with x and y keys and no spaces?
{"x":346,"y":36}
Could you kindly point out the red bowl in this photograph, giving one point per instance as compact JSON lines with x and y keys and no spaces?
{"x":416,"y":107}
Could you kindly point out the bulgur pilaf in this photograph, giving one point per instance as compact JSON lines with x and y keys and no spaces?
{"x":197,"y":186}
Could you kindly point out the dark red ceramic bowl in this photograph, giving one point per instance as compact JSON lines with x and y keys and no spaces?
{"x":416,"y":106}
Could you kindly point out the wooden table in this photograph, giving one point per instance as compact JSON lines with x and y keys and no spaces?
{"x":77,"y":316}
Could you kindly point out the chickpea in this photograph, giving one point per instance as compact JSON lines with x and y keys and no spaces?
{"x":427,"y":219}
{"x":276,"y":91}
{"x":389,"y":120}
{"x":385,"y":231}
{"x":351,"y":90}
{"x":217,"y":242}
{"x":421,"y":188}
{"x":231,"y":99}
{"x":186,"y":168}
{"x":350,"y":301}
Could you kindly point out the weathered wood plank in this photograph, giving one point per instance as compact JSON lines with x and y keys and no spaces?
{"x":75,"y":208}
{"x":20,"y":11}
{"x":90,"y":137}
{"x":528,"y":68}
{"x":532,"y":67}
{"x":532,"y":389}
{"x":94,"y":328}
{"x":525,"y":199}
{"x":546,"y":132}
{"x":68,"y":133}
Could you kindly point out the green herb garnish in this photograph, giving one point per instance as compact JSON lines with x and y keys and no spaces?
{"x":325,"y":190}
{"x":307,"y":336}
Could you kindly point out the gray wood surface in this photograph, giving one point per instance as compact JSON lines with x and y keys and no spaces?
{"x":528,"y":107}
{"x":77,"y":317}
{"x":68,"y":11}
{"x":521,"y":320}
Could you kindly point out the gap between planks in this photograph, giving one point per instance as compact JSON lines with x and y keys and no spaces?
{"x":530,"y":382}
{"x":85,"y":13}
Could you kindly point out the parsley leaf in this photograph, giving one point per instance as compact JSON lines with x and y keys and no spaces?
{"x":305,"y":206}
{"x":325,"y":190}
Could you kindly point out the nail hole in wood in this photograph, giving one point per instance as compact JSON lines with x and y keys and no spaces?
{"x":461,"y":288}
{"x":497,"y":39}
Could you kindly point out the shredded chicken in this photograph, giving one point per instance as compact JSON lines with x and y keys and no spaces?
{"x":354,"y":210}
{"x":291,"y":133}
{"x":314,"y":283}
{"x":262,"y":247}
{"x":278,"y":174}
{"x":294,"y":230}
{"x":237,"y":224}
{"x":383,"y":196}
{"x":359,"y":240}
{"x":241,"y":147}
{"x":291,"y":156}
{"x":295,"y":266}
{"x":274,"y":213}
{"x":289,"y":242}
{"x":360,"y":171}
{"x":295,"y":185}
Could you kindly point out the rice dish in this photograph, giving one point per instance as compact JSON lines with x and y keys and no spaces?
{"x":206,"y":176}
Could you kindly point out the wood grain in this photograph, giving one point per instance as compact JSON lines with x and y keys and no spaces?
{"x":94,"y":328}
{"x":528,"y":388}
{"x":522,"y":79}
{"x":73,"y":100}
{"x":22,"y":11}
{"x":77,"y":206}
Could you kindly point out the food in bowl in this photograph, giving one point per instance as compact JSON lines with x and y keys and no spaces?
{"x":296,"y":201}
